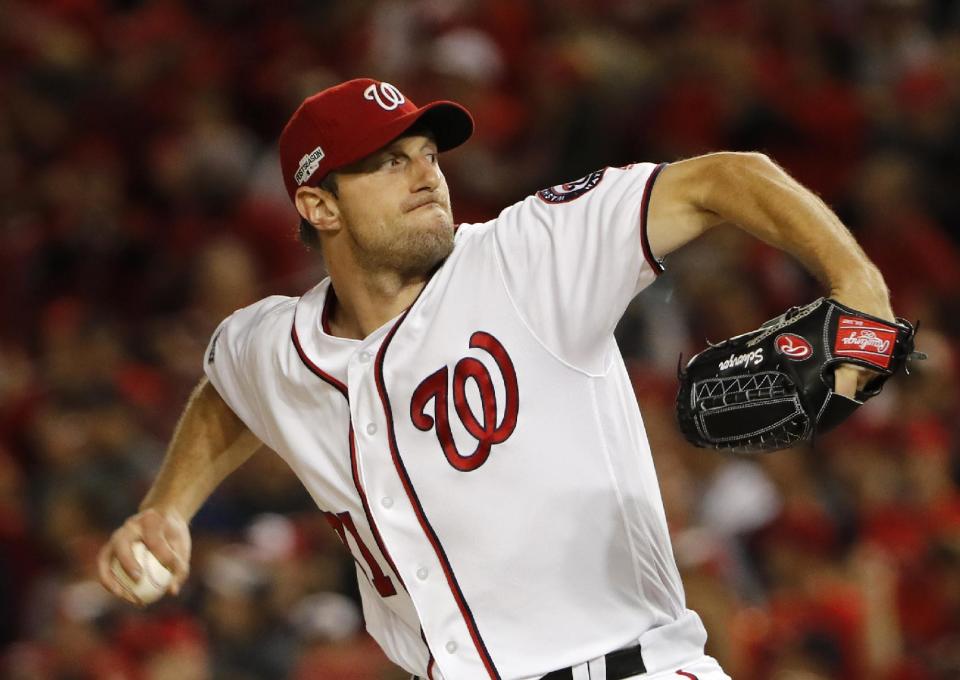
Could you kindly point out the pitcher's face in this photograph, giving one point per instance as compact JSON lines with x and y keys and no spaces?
{"x":395,"y":207}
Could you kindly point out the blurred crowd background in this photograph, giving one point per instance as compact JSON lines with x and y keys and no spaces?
{"x":141,"y":202}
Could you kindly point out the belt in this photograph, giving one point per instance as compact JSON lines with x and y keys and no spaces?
{"x":623,"y":663}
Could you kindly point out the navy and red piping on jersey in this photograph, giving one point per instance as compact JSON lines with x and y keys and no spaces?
{"x":431,"y":662}
{"x":655,"y":264}
{"x":354,"y":468}
{"x":316,"y":370}
{"x":428,"y":530}
{"x":340,"y":387}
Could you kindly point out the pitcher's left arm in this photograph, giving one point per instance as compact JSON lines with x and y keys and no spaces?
{"x":752,"y":192}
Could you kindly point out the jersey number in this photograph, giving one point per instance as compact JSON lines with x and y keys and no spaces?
{"x":342,"y":523}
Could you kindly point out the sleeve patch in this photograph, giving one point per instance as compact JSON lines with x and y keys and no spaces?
{"x":569,"y":191}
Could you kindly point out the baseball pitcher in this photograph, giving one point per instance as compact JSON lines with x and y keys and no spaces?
{"x":453,"y":398}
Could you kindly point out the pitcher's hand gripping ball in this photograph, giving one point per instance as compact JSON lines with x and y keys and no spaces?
{"x":772,"y":388}
{"x":154,"y":578}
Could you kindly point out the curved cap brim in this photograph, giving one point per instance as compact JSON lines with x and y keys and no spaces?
{"x":450,"y":123}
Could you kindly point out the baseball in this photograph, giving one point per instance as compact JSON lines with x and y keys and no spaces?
{"x":154,"y":579}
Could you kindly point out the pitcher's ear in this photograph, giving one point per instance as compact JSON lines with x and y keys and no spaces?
{"x":319,"y":208}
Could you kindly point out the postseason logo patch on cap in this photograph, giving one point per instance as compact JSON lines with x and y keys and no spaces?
{"x":308,"y":165}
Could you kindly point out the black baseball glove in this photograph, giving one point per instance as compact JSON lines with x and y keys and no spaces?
{"x":772,"y":388}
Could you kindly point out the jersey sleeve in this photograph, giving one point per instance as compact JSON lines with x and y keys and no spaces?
{"x":230,"y":362}
{"x":573,"y":257}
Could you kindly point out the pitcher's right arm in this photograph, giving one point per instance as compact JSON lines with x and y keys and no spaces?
{"x":209,"y":443}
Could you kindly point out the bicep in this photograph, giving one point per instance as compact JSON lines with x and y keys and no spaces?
{"x":229,"y":439}
{"x":220,"y":421}
{"x":209,"y":442}
{"x":677,"y":213}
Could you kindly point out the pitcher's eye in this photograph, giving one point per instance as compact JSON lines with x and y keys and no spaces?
{"x":392,"y":161}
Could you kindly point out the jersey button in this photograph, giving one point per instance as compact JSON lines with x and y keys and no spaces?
{"x":387,"y":502}
{"x":451,"y":646}
{"x":371,"y":428}
{"x":364,"y":357}
{"x":422,"y":573}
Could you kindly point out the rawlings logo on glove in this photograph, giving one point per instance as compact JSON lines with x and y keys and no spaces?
{"x":761,"y":391}
{"x":871,"y":341}
{"x":793,"y":346}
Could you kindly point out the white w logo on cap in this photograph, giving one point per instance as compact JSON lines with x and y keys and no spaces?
{"x":385,"y":95}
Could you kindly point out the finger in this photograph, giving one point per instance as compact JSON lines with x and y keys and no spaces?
{"x":168,"y":538}
{"x":845,"y":380}
{"x":155,"y":538}
{"x":865,"y":376}
{"x":121,"y":591}
{"x":107,"y":578}
{"x":178,"y":538}
{"x":122,"y":542}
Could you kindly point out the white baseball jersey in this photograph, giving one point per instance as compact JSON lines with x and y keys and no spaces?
{"x":482,"y":455}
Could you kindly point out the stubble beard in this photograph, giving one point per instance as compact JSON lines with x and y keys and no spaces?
{"x":410,"y":251}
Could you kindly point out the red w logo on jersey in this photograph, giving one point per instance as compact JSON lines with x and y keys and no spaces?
{"x":488,"y":432}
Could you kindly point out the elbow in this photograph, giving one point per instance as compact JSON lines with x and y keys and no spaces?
{"x":756,"y":158}
{"x":743,"y":164}
{"x":734,"y":176}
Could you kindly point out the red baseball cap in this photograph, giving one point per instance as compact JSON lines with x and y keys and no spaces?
{"x":342,"y":124}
